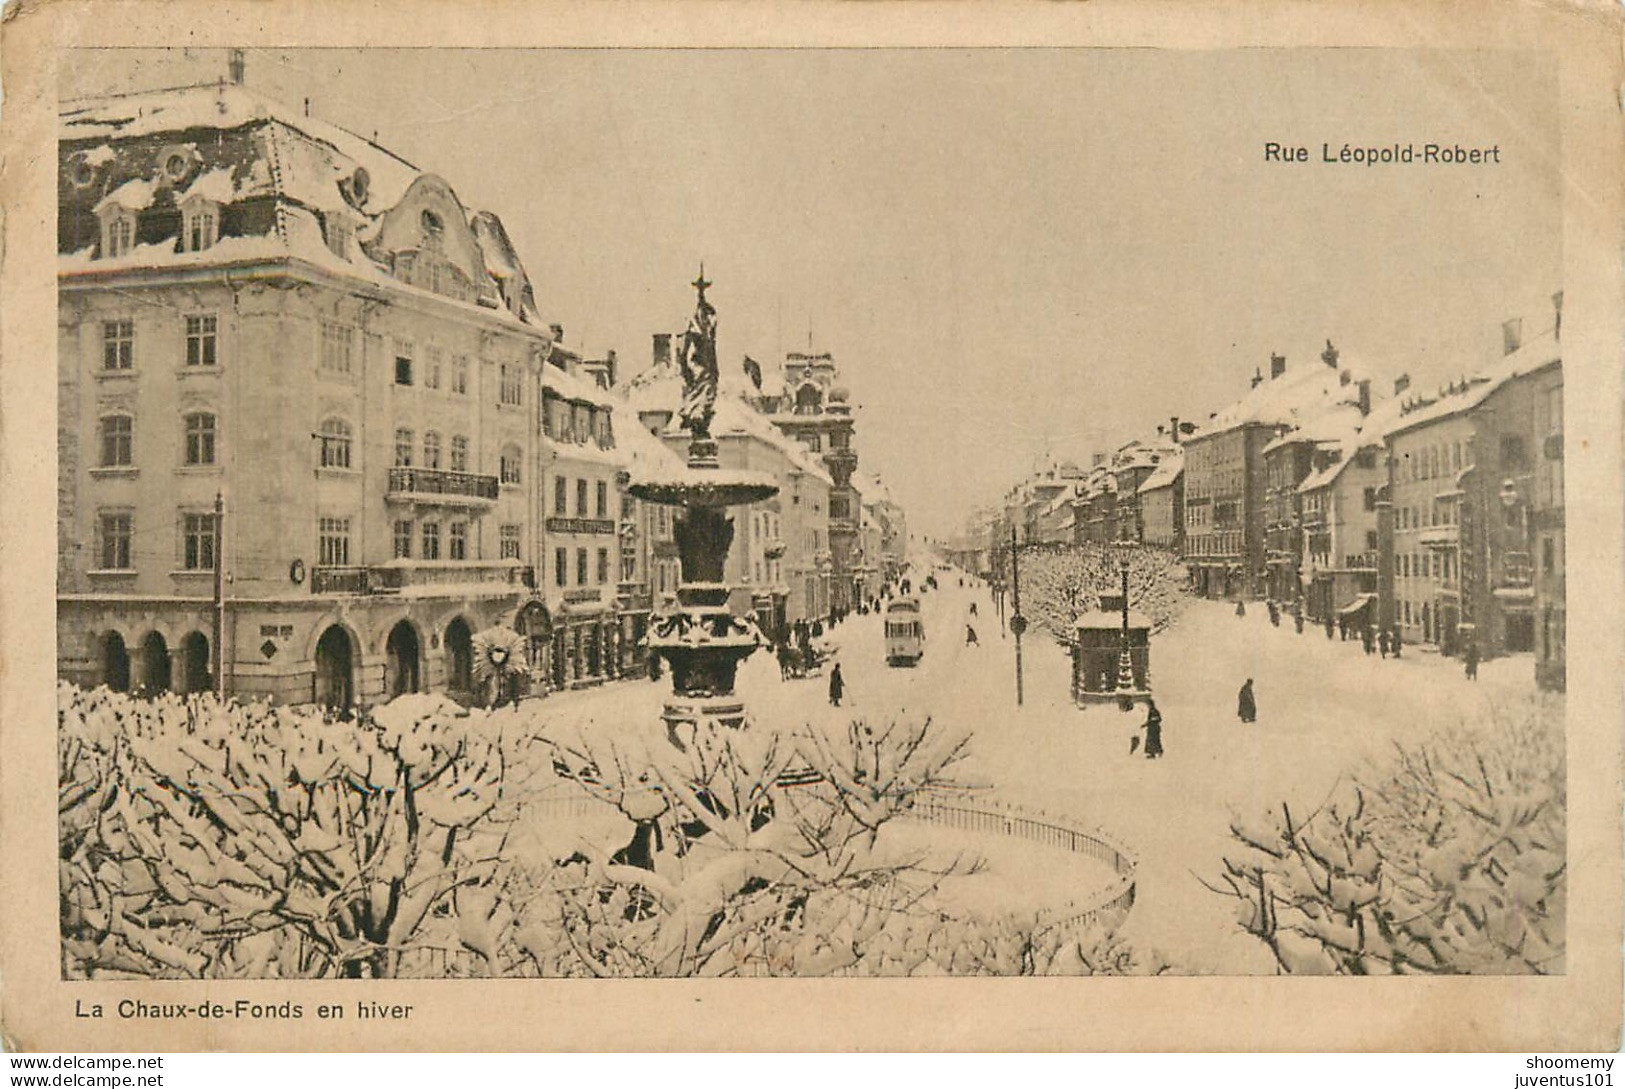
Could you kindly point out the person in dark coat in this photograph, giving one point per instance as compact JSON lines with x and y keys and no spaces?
{"x":1153,"y":731}
{"x":1366,"y":641}
{"x":1328,"y":627}
{"x":1471,"y":660}
{"x":1394,"y":642}
{"x":1246,"y":706}
{"x":1297,"y":621}
{"x":970,"y":636}
{"x":1241,"y":608}
{"x":837,"y":685}
{"x":1382,"y":642}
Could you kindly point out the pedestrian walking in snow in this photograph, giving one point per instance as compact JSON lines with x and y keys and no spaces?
{"x":1471,"y":660}
{"x":973,"y":608}
{"x":1328,"y":628}
{"x":1394,"y":641}
{"x":837,"y":686}
{"x":1275,"y":615}
{"x":1246,"y":707}
{"x":1297,"y":622}
{"x":1382,"y":642}
{"x":1153,"y":731}
{"x":1366,"y":641}
{"x":1241,"y":609}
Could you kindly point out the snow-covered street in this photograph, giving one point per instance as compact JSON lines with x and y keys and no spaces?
{"x":1324,"y":706}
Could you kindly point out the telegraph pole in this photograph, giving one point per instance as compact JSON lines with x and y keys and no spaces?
{"x":220,"y":595}
{"x":1018,"y":623}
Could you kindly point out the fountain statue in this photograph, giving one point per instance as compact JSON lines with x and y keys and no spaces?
{"x":701,"y":640}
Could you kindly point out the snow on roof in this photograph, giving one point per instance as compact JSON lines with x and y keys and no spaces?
{"x":573,"y":387}
{"x":1333,"y":425}
{"x":217,"y":185}
{"x":306,"y":171}
{"x":1540,"y":351}
{"x":135,"y":194}
{"x":661,"y":388}
{"x":1166,"y":472}
{"x":1299,"y":394}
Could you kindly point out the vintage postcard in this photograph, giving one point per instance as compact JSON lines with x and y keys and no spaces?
{"x":816,"y":527}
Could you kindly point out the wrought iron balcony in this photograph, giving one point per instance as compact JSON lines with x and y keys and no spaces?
{"x":408,"y":484}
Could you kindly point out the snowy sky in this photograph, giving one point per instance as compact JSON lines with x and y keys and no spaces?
{"x":1010,"y":252}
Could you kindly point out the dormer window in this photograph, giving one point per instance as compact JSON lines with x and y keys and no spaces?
{"x":118,"y":233}
{"x":200,"y":223}
{"x":337,"y":230}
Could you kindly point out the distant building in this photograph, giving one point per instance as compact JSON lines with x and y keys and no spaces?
{"x":1475,"y":478}
{"x":1162,"y":503}
{"x":1226,"y":479}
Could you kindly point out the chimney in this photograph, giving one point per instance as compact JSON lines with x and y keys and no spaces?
{"x":236,"y":66}
{"x":662,"y":349}
{"x":1258,"y":377}
{"x":1401,"y":384}
{"x":1345,"y":376}
{"x":558,"y":332}
{"x":1511,"y":335}
{"x":1173,"y":427}
{"x":1097,"y":461}
{"x":307,"y":105}
{"x":1365,"y":396}
{"x":609,"y":365}
{"x":1277,"y":365}
{"x":1557,"y":309}
{"x":1329,"y":356}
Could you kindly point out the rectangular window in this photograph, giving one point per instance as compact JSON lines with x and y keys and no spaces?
{"x":333,"y":542}
{"x":508,"y":466}
{"x":431,"y":368}
{"x":459,"y":540}
{"x":459,"y":453}
{"x":200,"y":438}
{"x":337,"y":343}
{"x":561,"y":495}
{"x":201,"y":335}
{"x":1370,"y":540}
{"x":1512,"y":452}
{"x":512,"y":385}
{"x":431,"y":540}
{"x":201,"y":229}
{"x":459,"y":374}
{"x":1548,"y":556}
{"x":117,"y":434}
{"x":116,"y":533}
{"x":581,"y":567}
{"x":403,"y":539}
{"x":603,"y":499}
{"x":338,"y":234}
{"x":403,"y":363}
{"x":1370,"y":499}
{"x":581,"y":499}
{"x":561,"y":567}
{"x":509,"y":542}
{"x":403,"y":447}
{"x":197,"y":532}
{"x":603,"y":565}
{"x":120,"y":236}
{"x":431,"y":449}
{"x":118,"y":344}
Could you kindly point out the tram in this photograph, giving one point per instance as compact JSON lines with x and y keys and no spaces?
{"x":905,"y":633}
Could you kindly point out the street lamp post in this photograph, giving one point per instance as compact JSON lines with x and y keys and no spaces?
{"x":1018,"y":623}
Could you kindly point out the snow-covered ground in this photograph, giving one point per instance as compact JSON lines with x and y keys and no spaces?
{"x":1324,"y":706}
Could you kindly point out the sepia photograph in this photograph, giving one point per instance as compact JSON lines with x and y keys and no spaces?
{"x":590,"y":513}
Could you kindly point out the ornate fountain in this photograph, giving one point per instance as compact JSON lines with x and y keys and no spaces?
{"x":701,"y":640}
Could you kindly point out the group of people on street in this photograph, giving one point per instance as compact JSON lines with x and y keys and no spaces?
{"x":1246,"y":710}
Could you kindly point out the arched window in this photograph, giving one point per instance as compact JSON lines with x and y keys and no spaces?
{"x":511,"y":461}
{"x":431,"y":449}
{"x":118,"y":439}
{"x":807,"y":400}
{"x":200,"y":434}
{"x":335,"y":437}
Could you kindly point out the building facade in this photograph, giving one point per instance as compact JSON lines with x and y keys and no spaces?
{"x":259,"y":306}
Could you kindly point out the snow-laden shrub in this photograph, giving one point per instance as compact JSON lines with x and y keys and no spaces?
{"x":761,"y":854}
{"x":208,"y":839}
{"x":1449,"y":858}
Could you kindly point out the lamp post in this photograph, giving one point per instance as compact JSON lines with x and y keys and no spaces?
{"x":1018,"y":623}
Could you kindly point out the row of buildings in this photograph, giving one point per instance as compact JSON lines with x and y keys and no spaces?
{"x":1438,"y":514}
{"x":315,"y":433}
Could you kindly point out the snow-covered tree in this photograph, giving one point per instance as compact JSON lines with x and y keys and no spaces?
{"x":1448,"y":859}
{"x":201,"y":839}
